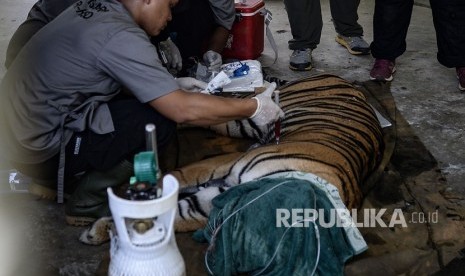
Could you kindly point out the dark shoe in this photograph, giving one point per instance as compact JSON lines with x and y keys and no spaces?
{"x":354,"y":44}
{"x":90,"y":201}
{"x":301,"y":60}
{"x":461,"y":76}
{"x":383,"y":70}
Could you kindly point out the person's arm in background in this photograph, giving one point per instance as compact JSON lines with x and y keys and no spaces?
{"x":224,"y":12}
{"x":218,"y":39}
{"x":166,"y":47}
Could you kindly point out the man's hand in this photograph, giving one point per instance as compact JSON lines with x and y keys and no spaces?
{"x":212,"y":60}
{"x":191,"y":84}
{"x":267,"y":111}
{"x":172,"y":54}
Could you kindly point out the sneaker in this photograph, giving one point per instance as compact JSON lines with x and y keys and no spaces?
{"x":461,"y":76}
{"x":301,"y":60}
{"x":354,"y":44}
{"x":383,"y":70}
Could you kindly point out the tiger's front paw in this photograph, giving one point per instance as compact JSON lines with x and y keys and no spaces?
{"x":98,"y":232}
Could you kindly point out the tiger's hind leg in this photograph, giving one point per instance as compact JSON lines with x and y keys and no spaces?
{"x":98,"y":232}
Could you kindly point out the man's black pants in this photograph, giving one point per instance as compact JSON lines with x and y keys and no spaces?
{"x":90,"y":151}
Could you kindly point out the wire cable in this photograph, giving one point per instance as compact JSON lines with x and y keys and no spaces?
{"x":317,"y":232}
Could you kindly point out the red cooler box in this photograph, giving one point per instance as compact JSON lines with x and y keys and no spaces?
{"x":246,"y":40}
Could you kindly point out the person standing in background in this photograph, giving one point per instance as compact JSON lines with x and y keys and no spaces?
{"x":40,"y":15}
{"x":390,"y":25}
{"x":306,"y":24}
{"x":200,"y":29}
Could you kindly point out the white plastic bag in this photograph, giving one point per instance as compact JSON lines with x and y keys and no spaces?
{"x":243,"y":83}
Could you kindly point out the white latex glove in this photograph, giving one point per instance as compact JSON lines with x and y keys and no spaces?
{"x":191,"y":84}
{"x":172,"y":54}
{"x":212,"y":60}
{"x":267,"y":111}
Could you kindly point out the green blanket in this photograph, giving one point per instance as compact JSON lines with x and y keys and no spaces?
{"x":249,"y":241}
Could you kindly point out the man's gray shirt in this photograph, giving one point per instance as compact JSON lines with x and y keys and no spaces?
{"x":61,"y":80}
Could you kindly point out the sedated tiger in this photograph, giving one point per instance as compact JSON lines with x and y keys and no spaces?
{"x":329,"y":130}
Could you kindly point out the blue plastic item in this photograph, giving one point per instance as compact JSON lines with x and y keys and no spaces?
{"x":241,"y":71}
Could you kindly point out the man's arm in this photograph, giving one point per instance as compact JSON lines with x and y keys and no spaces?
{"x":224,"y":13}
{"x":218,"y":39}
{"x":212,"y":57}
{"x":201,"y":109}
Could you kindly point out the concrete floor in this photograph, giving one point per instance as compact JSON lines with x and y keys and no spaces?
{"x":426,"y":93}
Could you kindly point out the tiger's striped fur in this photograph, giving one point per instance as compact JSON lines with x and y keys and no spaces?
{"x":329,"y":130}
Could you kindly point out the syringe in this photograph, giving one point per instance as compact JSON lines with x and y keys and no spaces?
{"x":277,"y":124}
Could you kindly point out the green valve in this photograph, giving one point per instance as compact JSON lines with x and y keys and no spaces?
{"x":145,"y":167}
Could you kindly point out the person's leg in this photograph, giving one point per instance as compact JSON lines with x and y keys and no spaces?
{"x":306,"y":25}
{"x":108,"y":159}
{"x":345,"y":17}
{"x":390,"y":25}
{"x":90,"y":151}
{"x":192,"y":25}
{"x":349,"y":32}
{"x":449,"y":21}
{"x":305,"y":22}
